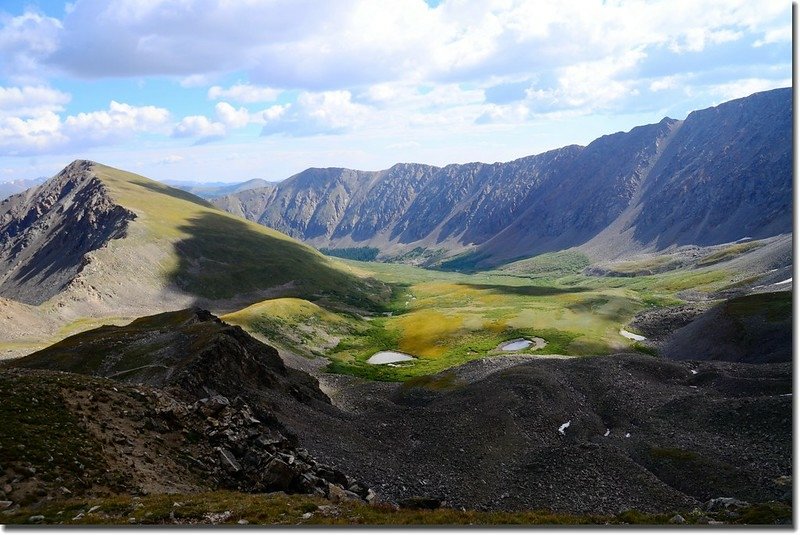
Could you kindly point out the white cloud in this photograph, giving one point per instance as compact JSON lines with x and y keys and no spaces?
{"x":589,"y":86}
{"x":45,"y":131}
{"x":746,"y":87}
{"x":119,"y":122}
{"x":232,"y":117}
{"x":31,"y":101}
{"x":367,"y":68}
{"x":775,"y":35}
{"x":24,"y":41}
{"x":665,"y":82}
{"x":273,"y":113}
{"x":336,"y":45}
{"x":244,"y":93}
{"x":20,"y":136}
{"x":199,"y":126}
{"x":325,"y":112}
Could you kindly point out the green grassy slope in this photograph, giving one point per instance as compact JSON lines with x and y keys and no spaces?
{"x":217,"y":255}
{"x":296,"y":324}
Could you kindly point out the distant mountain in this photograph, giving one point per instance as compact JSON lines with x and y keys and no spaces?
{"x":210,"y":190}
{"x":719,"y":175}
{"x":11,"y":187}
{"x":95,"y":240}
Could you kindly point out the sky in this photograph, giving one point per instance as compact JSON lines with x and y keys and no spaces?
{"x":229,"y":90}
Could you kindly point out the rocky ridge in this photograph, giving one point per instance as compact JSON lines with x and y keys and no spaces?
{"x":615,"y":197}
{"x":46,"y":232}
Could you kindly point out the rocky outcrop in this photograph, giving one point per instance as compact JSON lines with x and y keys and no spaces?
{"x":238,"y":451}
{"x":46,"y":232}
{"x":84,"y":436}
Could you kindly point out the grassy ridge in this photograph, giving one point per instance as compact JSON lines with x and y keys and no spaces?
{"x":218,"y":255}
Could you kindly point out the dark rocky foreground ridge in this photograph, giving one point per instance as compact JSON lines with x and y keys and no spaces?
{"x":721,"y":174}
{"x":194,"y":405}
{"x":643,"y":433}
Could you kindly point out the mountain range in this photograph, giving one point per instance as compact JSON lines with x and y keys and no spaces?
{"x":10,"y":187}
{"x":210,"y":190}
{"x":721,"y":174}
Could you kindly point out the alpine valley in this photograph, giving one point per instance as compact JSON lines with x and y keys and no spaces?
{"x":596,"y":335}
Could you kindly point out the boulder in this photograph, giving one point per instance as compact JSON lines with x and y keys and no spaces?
{"x":338,"y":494}
{"x":278,"y":476}
{"x":724,"y":504}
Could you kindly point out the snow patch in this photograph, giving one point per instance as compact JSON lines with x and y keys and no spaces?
{"x":608,"y":432}
{"x":694,"y":372}
{"x":632,"y":336}
{"x":627,"y":435}
{"x":783,"y":282}
{"x":563,"y":428}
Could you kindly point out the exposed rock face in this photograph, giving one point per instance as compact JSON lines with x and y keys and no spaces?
{"x":46,"y":232}
{"x":726,"y":174}
{"x":721,"y":174}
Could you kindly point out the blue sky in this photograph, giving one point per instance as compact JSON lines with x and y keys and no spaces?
{"x":220,"y":90}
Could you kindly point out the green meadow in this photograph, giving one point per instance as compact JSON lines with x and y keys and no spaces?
{"x":448,"y":318}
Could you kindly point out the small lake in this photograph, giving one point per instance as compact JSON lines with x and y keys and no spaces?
{"x":522,"y":343}
{"x":516,"y":345}
{"x":389,"y":357}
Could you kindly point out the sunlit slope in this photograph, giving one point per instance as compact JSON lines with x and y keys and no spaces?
{"x":215,"y":255}
{"x":296,"y":324}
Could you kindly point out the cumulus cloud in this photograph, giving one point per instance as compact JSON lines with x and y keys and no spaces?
{"x":199,"y":126}
{"x":326,"y":112}
{"x":24,"y":41}
{"x":44,"y":130}
{"x":232,"y":117}
{"x":337,"y":45}
{"x":367,"y":67}
{"x":31,"y":101}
